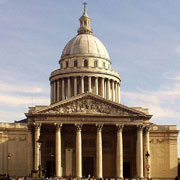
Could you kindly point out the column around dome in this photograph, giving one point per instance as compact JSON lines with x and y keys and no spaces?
{"x":82,"y":84}
{"x":58,"y":90}
{"x":51,"y":92}
{"x":63,"y":95}
{"x":68,"y":87}
{"x":54,"y":91}
{"x":118,"y":93}
{"x":75,"y":86}
{"x":102,"y":87}
{"x":113,"y":92}
{"x":108,"y":89}
{"x":96,"y":85}
{"x":89,"y":84}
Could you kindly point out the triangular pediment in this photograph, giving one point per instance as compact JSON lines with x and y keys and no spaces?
{"x":89,"y":103}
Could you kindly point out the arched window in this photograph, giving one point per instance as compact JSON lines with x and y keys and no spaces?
{"x":67,"y":64}
{"x":95,"y":64}
{"x":85,"y":63}
{"x":75,"y":63}
{"x":61,"y":65}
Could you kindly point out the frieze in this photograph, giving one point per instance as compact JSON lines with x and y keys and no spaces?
{"x":87,"y":105}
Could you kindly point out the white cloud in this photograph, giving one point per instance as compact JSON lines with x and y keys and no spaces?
{"x":10,"y":116}
{"x":17,"y":100}
{"x":172,"y":77}
{"x":8,"y":87}
{"x":161,"y":103}
{"x":178,"y":49}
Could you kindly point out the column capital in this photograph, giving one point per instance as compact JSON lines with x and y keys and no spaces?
{"x":146,"y":129}
{"x":78,"y":127}
{"x":37,"y":125}
{"x":58,"y":126}
{"x":140,"y":127}
{"x":99,"y":127}
{"x":120,"y":127}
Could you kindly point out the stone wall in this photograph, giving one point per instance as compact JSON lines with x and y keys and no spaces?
{"x":15,"y":142}
{"x":163,"y":146}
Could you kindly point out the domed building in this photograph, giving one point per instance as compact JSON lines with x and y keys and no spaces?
{"x":86,"y":130}
{"x":85,"y":66}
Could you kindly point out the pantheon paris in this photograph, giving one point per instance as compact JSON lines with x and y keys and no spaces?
{"x":86,"y":130}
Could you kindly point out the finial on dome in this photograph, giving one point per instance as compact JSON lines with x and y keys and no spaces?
{"x":85,"y":22}
{"x":85,"y":3}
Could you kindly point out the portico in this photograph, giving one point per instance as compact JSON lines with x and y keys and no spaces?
{"x":97,"y":137}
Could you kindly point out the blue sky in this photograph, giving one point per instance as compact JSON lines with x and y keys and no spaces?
{"x":142,"y":38}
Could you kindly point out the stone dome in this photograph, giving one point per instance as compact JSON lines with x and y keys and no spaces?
{"x":85,"y":45}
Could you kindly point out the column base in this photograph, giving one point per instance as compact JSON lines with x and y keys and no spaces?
{"x":59,"y":177}
{"x":79,"y":178}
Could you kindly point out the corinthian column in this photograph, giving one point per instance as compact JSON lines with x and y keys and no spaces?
{"x":55,"y":93}
{"x":52,"y":98}
{"x":58,"y":90}
{"x":147,"y":150}
{"x":75,"y":86}
{"x":99,"y":151}
{"x":37,"y":135}
{"x":102,"y":87}
{"x":119,"y":95}
{"x":68,"y":87}
{"x":30,"y":149}
{"x":63,"y":96}
{"x":139,"y":152}
{"x":78,"y":151}
{"x":82,"y":84}
{"x":58,"y":150}
{"x":89,"y":84}
{"x":96,"y":85}
{"x":113,"y":93}
{"x":108,"y":89}
{"x":119,"y":152}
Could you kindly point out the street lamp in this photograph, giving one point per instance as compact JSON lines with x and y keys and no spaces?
{"x":39,"y":143}
{"x":148,"y":165}
{"x":8,"y":159}
{"x":52,"y":156}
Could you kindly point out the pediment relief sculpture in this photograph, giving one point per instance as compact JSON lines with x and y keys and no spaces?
{"x":87,"y":106}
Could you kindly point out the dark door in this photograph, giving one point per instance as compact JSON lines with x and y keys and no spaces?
{"x":126,"y":170}
{"x":87,"y":166}
{"x":50,"y":168}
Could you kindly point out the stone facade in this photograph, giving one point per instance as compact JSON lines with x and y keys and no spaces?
{"x":85,"y":130}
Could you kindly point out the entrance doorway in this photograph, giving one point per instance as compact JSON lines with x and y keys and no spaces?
{"x":88,"y":163}
{"x":50,"y":168}
{"x":126,"y":170}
